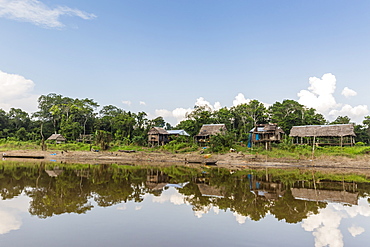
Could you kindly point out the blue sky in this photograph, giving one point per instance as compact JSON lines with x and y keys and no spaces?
{"x":163,"y":57}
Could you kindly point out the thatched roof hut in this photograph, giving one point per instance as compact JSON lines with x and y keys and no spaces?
{"x":58,"y":138}
{"x":212,"y":129}
{"x":325,"y":134}
{"x":337,"y":130}
{"x":208,"y":130}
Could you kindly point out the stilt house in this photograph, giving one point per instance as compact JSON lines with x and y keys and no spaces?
{"x":209,"y":130}
{"x":265,"y":134}
{"x":338,"y":134}
{"x":157,"y":136}
{"x":160,"y":136}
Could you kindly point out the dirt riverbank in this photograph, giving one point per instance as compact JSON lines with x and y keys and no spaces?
{"x":234,"y":161}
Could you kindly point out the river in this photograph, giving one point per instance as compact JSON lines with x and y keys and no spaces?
{"x":49,"y":204}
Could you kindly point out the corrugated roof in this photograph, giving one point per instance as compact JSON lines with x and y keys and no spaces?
{"x":178,"y":132}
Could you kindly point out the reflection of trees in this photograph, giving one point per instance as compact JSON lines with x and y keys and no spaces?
{"x":71,"y":190}
{"x":59,"y":195}
{"x":294,"y":210}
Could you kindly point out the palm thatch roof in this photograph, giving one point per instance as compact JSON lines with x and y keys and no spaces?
{"x":326,"y":195}
{"x":336,"y":130}
{"x":57,"y":137}
{"x":157,"y":131}
{"x":212,"y":129}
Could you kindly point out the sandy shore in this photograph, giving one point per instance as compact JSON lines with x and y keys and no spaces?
{"x":235,"y":161}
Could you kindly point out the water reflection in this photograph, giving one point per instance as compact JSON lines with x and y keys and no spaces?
{"x":321,"y":204}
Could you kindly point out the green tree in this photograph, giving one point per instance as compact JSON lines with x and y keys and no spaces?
{"x":341,"y":120}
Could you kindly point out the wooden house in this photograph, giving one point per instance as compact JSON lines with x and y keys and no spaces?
{"x":58,"y":138}
{"x":338,"y":134}
{"x":265,"y":134}
{"x":157,"y":136}
{"x":209,"y":130}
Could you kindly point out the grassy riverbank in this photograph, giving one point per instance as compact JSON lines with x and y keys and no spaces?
{"x":282,"y":151}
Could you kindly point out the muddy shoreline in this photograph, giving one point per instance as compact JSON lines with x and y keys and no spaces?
{"x":233,"y":161}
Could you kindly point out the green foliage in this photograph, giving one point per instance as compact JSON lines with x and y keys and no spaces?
{"x":221,"y":142}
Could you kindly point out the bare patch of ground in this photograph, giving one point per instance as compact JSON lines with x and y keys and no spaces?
{"x":233,"y":161}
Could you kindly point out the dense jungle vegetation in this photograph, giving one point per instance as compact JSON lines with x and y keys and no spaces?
{"x":75,"y":117}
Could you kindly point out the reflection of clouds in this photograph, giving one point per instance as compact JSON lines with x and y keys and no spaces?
{"x":325,"y":225}
{"x":10,"y":213}
{"x":170,"y":195}
{"x":355,"y":230}
{"x":216,"y":210}
{"x":137,"y":208}
{"x":201,"y":211}
{"x":239,"y":218}
{"x":9,"y":221}
{"x":123,"y":207}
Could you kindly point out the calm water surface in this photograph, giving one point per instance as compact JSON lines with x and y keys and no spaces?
{"x":109,"y":205}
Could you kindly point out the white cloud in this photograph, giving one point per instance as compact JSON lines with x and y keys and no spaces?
{"x":38,"y":13}
{"x":16,"y":92}
{"x":142,"y":103}
{"x":126,"y":102}
{"x":240,"y":99}
{"x":356,"y":230}
{"x":202,"y":102}
{"x":179,"y":114}
{"x":355,"y":113}
{"x":320,"y":96}
{"x":348,"y":92}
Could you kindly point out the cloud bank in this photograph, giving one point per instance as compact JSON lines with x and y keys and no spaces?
{"x":320,"y":96}
{"x":38,"y":13}
{"x":329,"y":220}
{"x":16,"y":92}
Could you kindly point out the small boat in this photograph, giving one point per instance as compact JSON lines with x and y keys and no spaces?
{"x":207,"y":163}
{"x":210,"y":163}
{"x":23,"y":156}
{"x":127,"y":151}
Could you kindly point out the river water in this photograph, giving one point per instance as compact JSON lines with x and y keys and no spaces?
{"x":109,"y":205}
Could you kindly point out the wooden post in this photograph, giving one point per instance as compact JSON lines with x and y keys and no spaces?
{"x":313,"y":146}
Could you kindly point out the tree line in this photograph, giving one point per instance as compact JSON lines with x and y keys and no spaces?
{"x":75,"y":117}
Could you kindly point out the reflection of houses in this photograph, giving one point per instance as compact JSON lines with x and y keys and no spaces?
{"x":160,"y":136}
{"x":58,"y":138}
{"x":265,"y":134}
{"x":211,"y":191}
{"x":156,"y":180}
{"x":325,"y":195}
{"x":55,"y":172}
{"x":209,"y":130}
{"x":338,"y":134}
{"x":269,"y":190}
